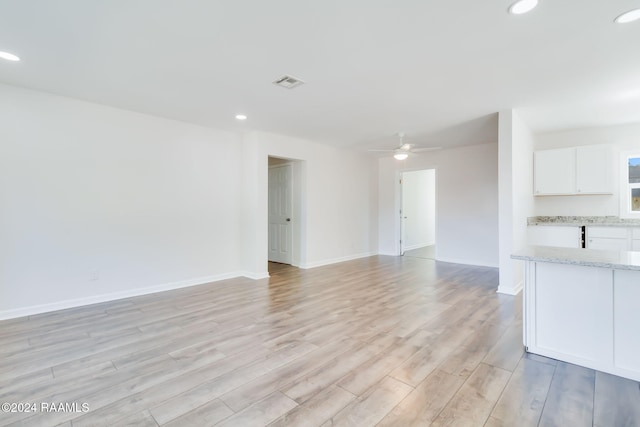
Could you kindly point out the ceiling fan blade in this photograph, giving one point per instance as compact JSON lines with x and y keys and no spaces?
{"x":385,"y":151}
{"x":418,"y":150}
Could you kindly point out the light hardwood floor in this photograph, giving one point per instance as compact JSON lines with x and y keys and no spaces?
{"x":428,"y":252}
{"x":384,"y":341}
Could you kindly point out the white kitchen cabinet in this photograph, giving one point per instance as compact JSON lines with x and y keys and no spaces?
{"x":554,"y":171}
{"x":582,"y":314}
{"x":626,"y":320}
{"x":613,"y":238}
{"x":573,"y":311}
{"x":608,"y":238}
{"x":558,"y":236}
{"x":635,"y":236}
{"x":573,"y":171}
{"x":608,"y":232}
{"x":593,"y":170}
{"x":607,"y":244}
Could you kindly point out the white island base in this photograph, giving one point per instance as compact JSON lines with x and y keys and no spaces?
{"x":583,"y":307}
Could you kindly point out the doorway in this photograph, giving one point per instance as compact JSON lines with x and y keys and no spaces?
{"x":280,"y":211}
{"x":286,"y":214}
{"x":418,"y":214}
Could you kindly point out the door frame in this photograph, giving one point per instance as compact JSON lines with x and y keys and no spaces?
{"x":398,"y":226}
{"x":298,"y":214}
{"x":289,"y":185}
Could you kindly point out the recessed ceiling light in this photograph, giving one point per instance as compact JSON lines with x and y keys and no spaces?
{"x":630,"y":16}
{"x":523,"y":6}
{"x":241,"y":117}
{"x":9,"y":56}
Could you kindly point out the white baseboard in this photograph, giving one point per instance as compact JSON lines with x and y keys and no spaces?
{"x":336,"y":260}
{"x":78,"y":302}
{"x":511,"y":290}
{"x":466,"y":262}
{"x":255,"y":276}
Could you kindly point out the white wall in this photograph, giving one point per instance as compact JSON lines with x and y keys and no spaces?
{"x":621,"y":138}
{"x":339,"y":200}
{"x":99,"y":203}
{"x":418,"y":207}
{"x":523,"y":199}
{"x":516,"y":142}
{"x":466,"y":202}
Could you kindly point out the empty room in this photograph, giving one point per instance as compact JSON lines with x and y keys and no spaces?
{"x":285,"y":213}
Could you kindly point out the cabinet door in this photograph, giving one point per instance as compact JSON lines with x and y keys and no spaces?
{"x":574,"y":311}
{"x":626,"y":321}
{"x":555,"y":171}
{"x":607,"y":244}
{"x":593,"y":170}
{"x":635,"y":245}
{"x":559,"y":236}
{"x":608,"y":232}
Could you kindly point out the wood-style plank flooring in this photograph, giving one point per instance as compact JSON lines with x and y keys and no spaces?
{"x":428,"y":252}
{"x":387,"y":341}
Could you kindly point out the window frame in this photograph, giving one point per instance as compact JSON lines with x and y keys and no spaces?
{"x":625,"y":186}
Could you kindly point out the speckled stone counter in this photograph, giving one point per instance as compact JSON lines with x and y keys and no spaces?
{"x":616,"y":260}
{"x":600,"y":221}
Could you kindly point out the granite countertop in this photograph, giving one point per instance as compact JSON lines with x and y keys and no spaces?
{"x":578,"y":221}
{"x":617,"y":260}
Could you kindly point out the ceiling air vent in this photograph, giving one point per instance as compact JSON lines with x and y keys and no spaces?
{"x":288,"y":82}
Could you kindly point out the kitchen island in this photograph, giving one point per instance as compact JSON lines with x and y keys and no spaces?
{"x":582,"y":306}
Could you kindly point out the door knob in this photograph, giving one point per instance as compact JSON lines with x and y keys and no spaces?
{"x":288,"y":219}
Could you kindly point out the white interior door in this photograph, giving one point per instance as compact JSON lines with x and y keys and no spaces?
{"x":403,"y":218}
{"x":280,"y":208}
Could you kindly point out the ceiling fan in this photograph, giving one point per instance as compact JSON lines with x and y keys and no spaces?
{"x":403,"y":150}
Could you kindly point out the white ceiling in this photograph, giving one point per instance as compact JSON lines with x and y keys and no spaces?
{"x":437,"y":70}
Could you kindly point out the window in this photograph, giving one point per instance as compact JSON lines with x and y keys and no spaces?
{"x":630,"y":190}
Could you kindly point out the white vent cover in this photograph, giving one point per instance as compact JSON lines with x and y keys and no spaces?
{"x":288,"y":82}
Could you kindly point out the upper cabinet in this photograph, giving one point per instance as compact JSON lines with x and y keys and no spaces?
{"x":555,"y":171}
{"x":593,"y":170}
{"x":571,"y":171}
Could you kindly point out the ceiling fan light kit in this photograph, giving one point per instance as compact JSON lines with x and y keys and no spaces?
{"x":9,"y":56}
{"x":399,"y":155}
{"x":403,"y":150}
{"x":632,"y":15}
{"x":523,"y":6}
